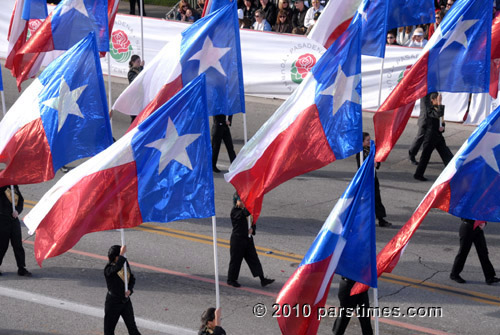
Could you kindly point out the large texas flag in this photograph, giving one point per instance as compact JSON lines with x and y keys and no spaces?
{"x":212,"y":46}
{"x":345,"y":245}
{"x":61,"y":117}
{"x":467,"y":188}
{"x":65,"y":26}
{"x":158,"y":172}
{"x":319,"y":123}
{"x":456,"y":59}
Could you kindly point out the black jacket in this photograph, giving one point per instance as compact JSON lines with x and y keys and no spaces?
{"x":220,"y":119}
{"x":217,"y":331}
{"x":298,"y":17}
{"x":240,"y":223}
{"x":134,"y":72}
{"x":6,"y":202}
{"x":113,"y":272}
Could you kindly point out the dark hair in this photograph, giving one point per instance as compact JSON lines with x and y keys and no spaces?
{"x":236,"y":197}
{"x":433,"y":95}
{"x":132,"y":60}
{"x":281,"y":12}
{"x":365,"y":135}
{"x":208,"y":315}
{"x":113,"y":252}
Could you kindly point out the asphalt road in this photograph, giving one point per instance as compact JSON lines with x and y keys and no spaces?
{"x":173,"y":262}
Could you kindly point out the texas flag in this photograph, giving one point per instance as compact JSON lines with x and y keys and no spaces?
{"x":467,"y":188}
{"x":345,"y":245}
{"x":211,"y":45}
{"x":374,"y":27}
{"x":66,"y":25}
{"x":24,"y":10}
{"x":404,"y":13}
{"x":160,"y":171}
{"x":456,"y":59}
{"x":319,"y":123}
{"x":495,"y":56}
{"x":61,"y":117}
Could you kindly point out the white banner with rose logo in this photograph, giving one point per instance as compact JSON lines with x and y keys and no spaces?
{"x":273,"y":64}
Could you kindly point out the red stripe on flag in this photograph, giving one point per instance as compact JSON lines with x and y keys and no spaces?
{"x":388,"y":257}
{"x":295,"y":292}
{"x":289,"y":155}
{"x":339,"y":30}
{"x":391,"y":118}
{"x":166,"y":92}
{"x":101,"y":201}
{"x":27,"y":156}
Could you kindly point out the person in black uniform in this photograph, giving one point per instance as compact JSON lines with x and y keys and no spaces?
{"x":425,"y":104}
{"x":117,"y":300}
{"x":433,"y":138}
{"x":348,"y":304}
{"x":10,"y":228}
{"x":132,"y":7}
{"x":379,"y":206}
{"x":220,"y":132}
{"x":242,"y":246}
{"x":210,"y":323}
{"x":136,"y":65}
{"x":472,"y":232}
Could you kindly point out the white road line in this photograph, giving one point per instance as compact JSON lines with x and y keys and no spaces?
{"x":89,"y":310}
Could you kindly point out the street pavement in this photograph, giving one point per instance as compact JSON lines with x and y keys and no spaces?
{"x":174,"y":266}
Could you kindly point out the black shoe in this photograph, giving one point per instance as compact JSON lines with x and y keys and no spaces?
{"x":458,"y":279}
{"x":233,"y":283}
{"x":0,"y":273}
{"x":492,"y":280}
{"x":216,"y":170}
{"x":421,"y":178}
{"x":412,"y":160}
{"x":384,"y":223}
{"x":23,"y":272}
{"x":266,"y":281}
{"x":64,"y":169}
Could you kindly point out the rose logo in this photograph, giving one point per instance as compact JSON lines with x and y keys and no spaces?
{"x":301,"y":67}
{"x":33,"y":25}
{"x":404,"y":72}
{"x":119,"y":46}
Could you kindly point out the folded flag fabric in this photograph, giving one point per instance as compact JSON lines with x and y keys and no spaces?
{"x":327,"y":104}
{"x":467,"y":188}
{"x":159,"y":172}
{"x":212,"y":46}
{"x":345,"y":245}
{"x":61,"y":117}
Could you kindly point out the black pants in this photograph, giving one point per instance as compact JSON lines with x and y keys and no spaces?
{"x":10,"y":230}
{"x":469,"y":235}
{"x":417,"y":141}
{"x":113,"y":309}
{"x":348,"y":301}
{"x":243,"y":248}
{"x":132,"y":7}
{"x":221,"y":132}
{"x":379,"y":207}
{"x":433,"y":140}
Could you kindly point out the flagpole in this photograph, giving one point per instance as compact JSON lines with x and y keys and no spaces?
{"x":245,"y":133}
{"x":110,"y":100}
{"x":216,"y":262}
{"x":125,"y":277}
{"x":13,"y":196}
{"x":375,"y":302}
{"x":141,"y":4}
{"x":380,"y":83}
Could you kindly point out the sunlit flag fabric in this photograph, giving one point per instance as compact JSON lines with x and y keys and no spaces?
{"x":333,"y":21}
{"x":319,"y":123}
{"x":345,"y":245}
{"x":158,"y":172}
{"x":61,"y":117}
{"x":70,"y":21}
{"x":24,"y":10}
{"x":212,"y":46}
{"x":467,"y":188}
{"x":374,"y":27}
{"x":404,"y":13}
{"x":456,"y":59}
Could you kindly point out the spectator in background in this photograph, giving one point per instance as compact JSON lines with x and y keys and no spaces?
{"x":181,"y":10}
{"x":269,"y":10}
{"x":418,"y":40}
{"x":391,"y":39}
{"x":285,"y":5}
{"x":249,"y":11}
{"x":261,"y":23}
{"x":309,"y":20}
{"x":404,"y":35}
{"x":190,"y":16}
{"x":433,"y":26}
{"x":283,"y":24}
{"x":298,"y":17}
{"x":200,"y":5}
